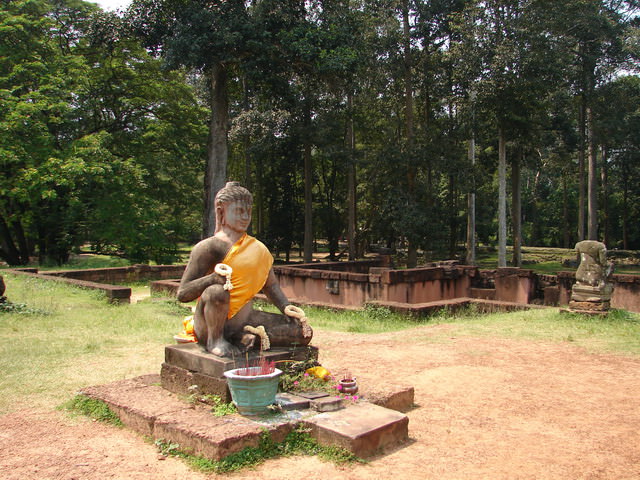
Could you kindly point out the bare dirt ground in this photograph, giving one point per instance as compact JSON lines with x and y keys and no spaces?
{"x":486,"y":409}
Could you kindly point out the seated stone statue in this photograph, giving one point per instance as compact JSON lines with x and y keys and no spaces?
{"x":224,"y":273}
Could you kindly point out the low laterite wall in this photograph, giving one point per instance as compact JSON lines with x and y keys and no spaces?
{"x":354,"y":284}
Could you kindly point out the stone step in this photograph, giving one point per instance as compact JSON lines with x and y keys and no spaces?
{"x":362,"y":428}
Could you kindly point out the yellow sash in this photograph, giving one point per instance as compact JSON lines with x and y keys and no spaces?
{"x":251,"y":262}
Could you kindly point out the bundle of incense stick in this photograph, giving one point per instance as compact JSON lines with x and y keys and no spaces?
{"x":261,"y":366}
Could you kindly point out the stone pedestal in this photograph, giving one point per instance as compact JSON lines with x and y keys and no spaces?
{"x":186,"y":365}
{"x":362,"y":428}
{"x":589,"y":299}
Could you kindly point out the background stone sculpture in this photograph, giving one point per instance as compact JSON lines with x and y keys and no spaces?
{"x":592,"y":291}
{"x":594,"y":268}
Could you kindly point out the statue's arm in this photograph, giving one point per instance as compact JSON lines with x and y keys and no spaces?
{"x":274,"y":293}
{"x":195,"y":278}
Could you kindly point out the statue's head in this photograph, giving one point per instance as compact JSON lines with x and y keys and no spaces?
{"x":231,"y":194}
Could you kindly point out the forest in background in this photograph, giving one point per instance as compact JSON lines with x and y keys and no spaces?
{"x":382,"y":123}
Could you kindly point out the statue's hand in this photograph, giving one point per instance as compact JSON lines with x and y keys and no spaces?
{"x":294,"y":312}
{"x":224,"y":270}
{"x":297,"y":313}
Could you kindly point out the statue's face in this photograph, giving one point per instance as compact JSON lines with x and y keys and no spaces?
{"x":237,"y":216}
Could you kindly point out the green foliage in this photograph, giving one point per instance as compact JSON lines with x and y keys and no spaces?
{"x":304,"y":382}
{"x":100,"y":144}
{"x":19,"y":308}
{"x":297,"y":442}
{"x":294,"y":371}
{"x":218,"y":407}
{"x":90,"y":141}
{"x":92,"y":408}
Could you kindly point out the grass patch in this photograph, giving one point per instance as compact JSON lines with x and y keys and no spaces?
{"x":19,"y":308}
{"x":92,"y":408}
{"x":617,"y":332}
{"x":298,"y":442}
{"x":71,"y":338}
{"x":63,"y":338}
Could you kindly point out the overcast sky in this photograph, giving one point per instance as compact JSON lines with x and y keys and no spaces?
{"x":112,"y":4}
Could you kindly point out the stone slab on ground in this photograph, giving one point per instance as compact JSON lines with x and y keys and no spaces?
{"x":595,"y":313}
{"x":137,"y":403}
{"x":313,"y":394}
{"x":150,"y":410}
{"x":394,"y":397}
{"x":199,"y":432}
{"x":589,"y":306}
{"x":326,"y":404}
{"x":428,"y":308}
{"x":363,"y":428}
{"x":289,"y":401}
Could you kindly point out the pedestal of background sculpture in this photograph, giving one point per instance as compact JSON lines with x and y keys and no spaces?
{"x":591,"y":299}
{"x":186,"y":365}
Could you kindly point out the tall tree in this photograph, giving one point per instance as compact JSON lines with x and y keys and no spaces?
{"x":78,"y":124}
{"x":512,"y":63}
{"x":591,"y":33}
{"x":211,"y":37}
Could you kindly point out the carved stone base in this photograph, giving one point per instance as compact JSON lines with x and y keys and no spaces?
{"x":180,"y":380}
{"x":587,"y":293}
{"x":590,"y":306}
{"x":186,"y":365}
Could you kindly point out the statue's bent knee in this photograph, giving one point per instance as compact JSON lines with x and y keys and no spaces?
{"x":215,"y":295}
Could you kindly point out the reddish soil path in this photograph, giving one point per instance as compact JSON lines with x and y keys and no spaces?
{"x":486,"y":408}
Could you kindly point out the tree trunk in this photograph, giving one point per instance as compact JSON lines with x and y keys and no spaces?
{"x":625,"y":207}
{"x":453,"y":217}
{"x":516,"y":212}
{"x":581,"y":183}
{"x":351,"y":180}
{"x":593,"y":180}
{"x":502,"y":199}
{"x":471,"y":206}
{"x":246,"y":140}
{"x":308,"y":185}
{"x":246,"y":144}
{"x":565,"y":213}
{"x":259,"y":196}
{"x":412,"y":249}
{"x":536,"y":230}
{"x":216,"y":171}
{"x":8,"y":250}
{"x":605,"y":195}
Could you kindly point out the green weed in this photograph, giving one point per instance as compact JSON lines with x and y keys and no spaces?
{"x":218,"y":407}
{"x":297,"y":442}
{"x":90,"y":407}
{"x":20,"y":308}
